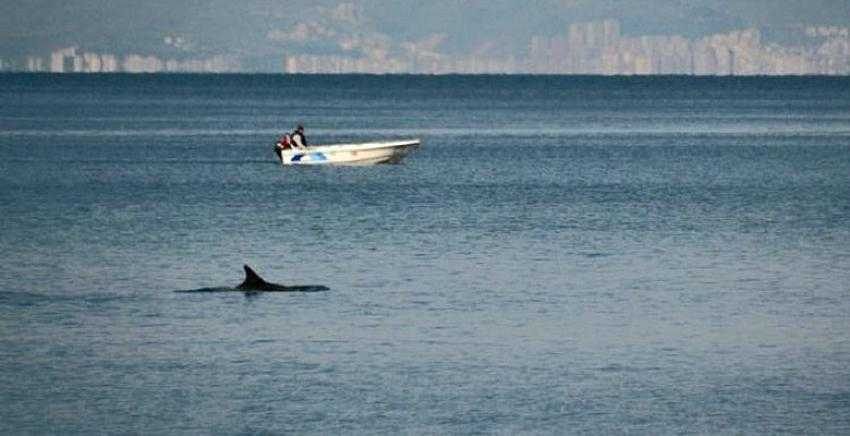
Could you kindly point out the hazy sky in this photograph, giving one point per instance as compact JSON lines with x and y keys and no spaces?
{"x":260,"y":31}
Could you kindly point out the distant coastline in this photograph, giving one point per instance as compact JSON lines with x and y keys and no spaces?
{"x":589,"y":48}
{"x":426,"y":75}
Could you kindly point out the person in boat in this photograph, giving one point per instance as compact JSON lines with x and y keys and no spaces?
{"x":298,"y":138}
{"x":283,"y":143}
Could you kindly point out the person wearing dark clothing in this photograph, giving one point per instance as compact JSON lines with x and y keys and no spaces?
{"x":298,"y":137}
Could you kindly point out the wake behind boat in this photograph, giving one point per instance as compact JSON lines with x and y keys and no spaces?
{"x":365,"y":153}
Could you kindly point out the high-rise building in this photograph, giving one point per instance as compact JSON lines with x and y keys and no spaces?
{"x":34,"y":64}
{"x":65,"y":60}
{"x":611,"y":32}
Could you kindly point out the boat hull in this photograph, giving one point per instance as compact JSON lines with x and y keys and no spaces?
{"x":369,"y":153}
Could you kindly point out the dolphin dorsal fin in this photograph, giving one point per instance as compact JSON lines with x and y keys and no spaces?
{"x":252,"y":279}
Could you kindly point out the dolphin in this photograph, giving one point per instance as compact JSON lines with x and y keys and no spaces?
{"x":253,"y":284}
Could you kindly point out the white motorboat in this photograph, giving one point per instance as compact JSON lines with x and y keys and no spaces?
{"x":366,"y":153}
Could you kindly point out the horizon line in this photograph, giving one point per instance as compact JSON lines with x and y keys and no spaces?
{"x":268,"y":73}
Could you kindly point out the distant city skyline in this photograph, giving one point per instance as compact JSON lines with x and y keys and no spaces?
{"x":708,"y":37}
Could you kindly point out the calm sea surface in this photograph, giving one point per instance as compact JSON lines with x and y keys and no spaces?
{"x":562,"y":255}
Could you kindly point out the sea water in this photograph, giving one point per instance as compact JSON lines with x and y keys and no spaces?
{"x":561,"y":255}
